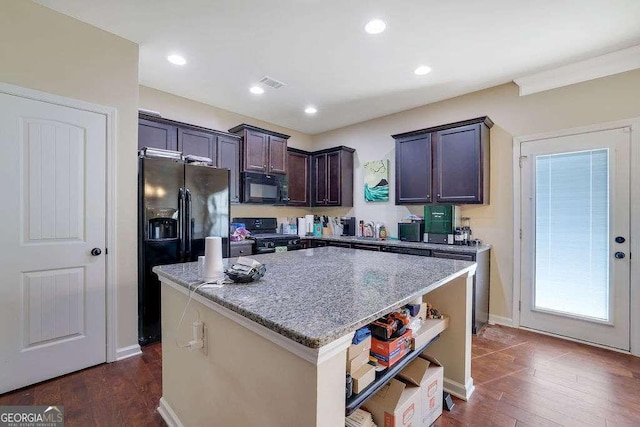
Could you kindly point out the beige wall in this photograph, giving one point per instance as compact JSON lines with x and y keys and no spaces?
{"x":607,"y":99}
{"x":44,"y":50}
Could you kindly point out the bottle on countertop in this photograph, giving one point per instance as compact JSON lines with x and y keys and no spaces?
{"x":361,"y":229}
{"x":382,"y":232}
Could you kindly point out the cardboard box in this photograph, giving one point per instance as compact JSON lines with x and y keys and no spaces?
{"x":389,"y":352}
{"x":430,"y":328}
{"x":395,"y":405}
{"x":427,"y":373}
{"x":355,"y":349}
{"x":362,"y":377}
{"x":358,"y":361}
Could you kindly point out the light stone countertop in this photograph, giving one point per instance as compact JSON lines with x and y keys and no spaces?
{"x":315,"y":296}
{"x":402,"y":244}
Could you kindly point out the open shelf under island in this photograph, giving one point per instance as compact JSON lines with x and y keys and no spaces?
{"x":275,"y":350}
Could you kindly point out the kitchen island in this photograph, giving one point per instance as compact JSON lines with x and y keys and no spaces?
{"x":275,"y":350}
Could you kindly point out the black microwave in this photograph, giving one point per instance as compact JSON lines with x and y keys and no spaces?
{"x":264,"y":189}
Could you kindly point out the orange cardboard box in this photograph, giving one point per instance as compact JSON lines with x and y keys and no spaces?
{"x":389,"y":352}
{"x":395,"y":405}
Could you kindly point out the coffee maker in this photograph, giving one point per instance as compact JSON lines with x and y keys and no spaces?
{"x":348,"y":225}
{"x":440,"y":222}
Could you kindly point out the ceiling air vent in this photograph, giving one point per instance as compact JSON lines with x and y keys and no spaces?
{"x":266,"y":80}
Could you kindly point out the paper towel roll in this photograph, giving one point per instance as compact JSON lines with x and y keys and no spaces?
{"x":309,"y":222}
{"x":213,"y":267}
{"x":302,"y":227}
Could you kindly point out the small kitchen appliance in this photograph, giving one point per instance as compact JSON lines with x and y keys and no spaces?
{"x":440,"y":222}
{"x":411,"y":231}
{"x":266,"y":189}
{"x":348,"y":225}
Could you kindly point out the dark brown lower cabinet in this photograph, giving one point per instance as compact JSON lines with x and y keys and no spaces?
{"x":480,"y":297}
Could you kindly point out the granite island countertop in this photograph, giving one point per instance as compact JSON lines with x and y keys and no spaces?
{"x":315,"y":296}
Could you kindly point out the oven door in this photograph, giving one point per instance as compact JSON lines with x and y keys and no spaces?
{"x":263,"y":189}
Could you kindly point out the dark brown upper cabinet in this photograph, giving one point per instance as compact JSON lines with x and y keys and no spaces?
{"x":298,"y":177}
{"x":332,"y":177}
{"x":262,"y":150}
{"x":413,"y":177}
{"x":229,"y":158}
{"x":154,"y":134}
{"x":198,"y":143}
{"x":222,"y":148}
{"x":446,"y":164}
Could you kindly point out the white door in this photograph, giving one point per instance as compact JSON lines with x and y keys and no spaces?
{"x":52,"y":290}
{"x":575,"y":236}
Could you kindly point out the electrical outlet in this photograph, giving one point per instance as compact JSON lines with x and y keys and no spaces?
{"x":197,"y":336}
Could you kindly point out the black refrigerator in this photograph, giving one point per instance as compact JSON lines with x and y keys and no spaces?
{"x":179,"y":204}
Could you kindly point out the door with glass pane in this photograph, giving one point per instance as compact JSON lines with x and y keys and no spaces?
{"x":575,"y":236}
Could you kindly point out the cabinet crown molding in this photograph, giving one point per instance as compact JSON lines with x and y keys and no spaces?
{"x":485,"y":120}
{"x":160,"y":119}
{"x":244,"y":126}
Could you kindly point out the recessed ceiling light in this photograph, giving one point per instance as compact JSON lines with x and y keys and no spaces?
{"x":256,"y":89}
{"x":422,"y":70}
{"x":311,"y":110}
{"x":375,"y":26}
{"x":176,"y":59}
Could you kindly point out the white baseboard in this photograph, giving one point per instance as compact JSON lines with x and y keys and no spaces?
{"x":125,"y":352}
{"x":458,"y":390}
{"x":168,"y":415}
{"x":499,"y":320}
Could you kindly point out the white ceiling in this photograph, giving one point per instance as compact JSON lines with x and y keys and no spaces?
{"x":319,"y":49}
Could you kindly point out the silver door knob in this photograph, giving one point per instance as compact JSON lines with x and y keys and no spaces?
{"x":96,"y":251}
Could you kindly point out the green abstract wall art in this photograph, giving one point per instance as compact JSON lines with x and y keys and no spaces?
{"x":376,"y":181}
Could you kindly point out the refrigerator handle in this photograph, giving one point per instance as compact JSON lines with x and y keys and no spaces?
{"x":181,"y":232}
{"x":187,"y":222}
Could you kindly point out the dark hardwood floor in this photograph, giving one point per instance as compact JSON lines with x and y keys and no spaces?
{"x":527,"y":379}
{"x":124,"y":393}
{"x":522,"y":379}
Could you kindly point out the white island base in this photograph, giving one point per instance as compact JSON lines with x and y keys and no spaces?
{"x":249,"y":375}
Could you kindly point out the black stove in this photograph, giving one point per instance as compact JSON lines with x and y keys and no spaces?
{"x":263,"y":231}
